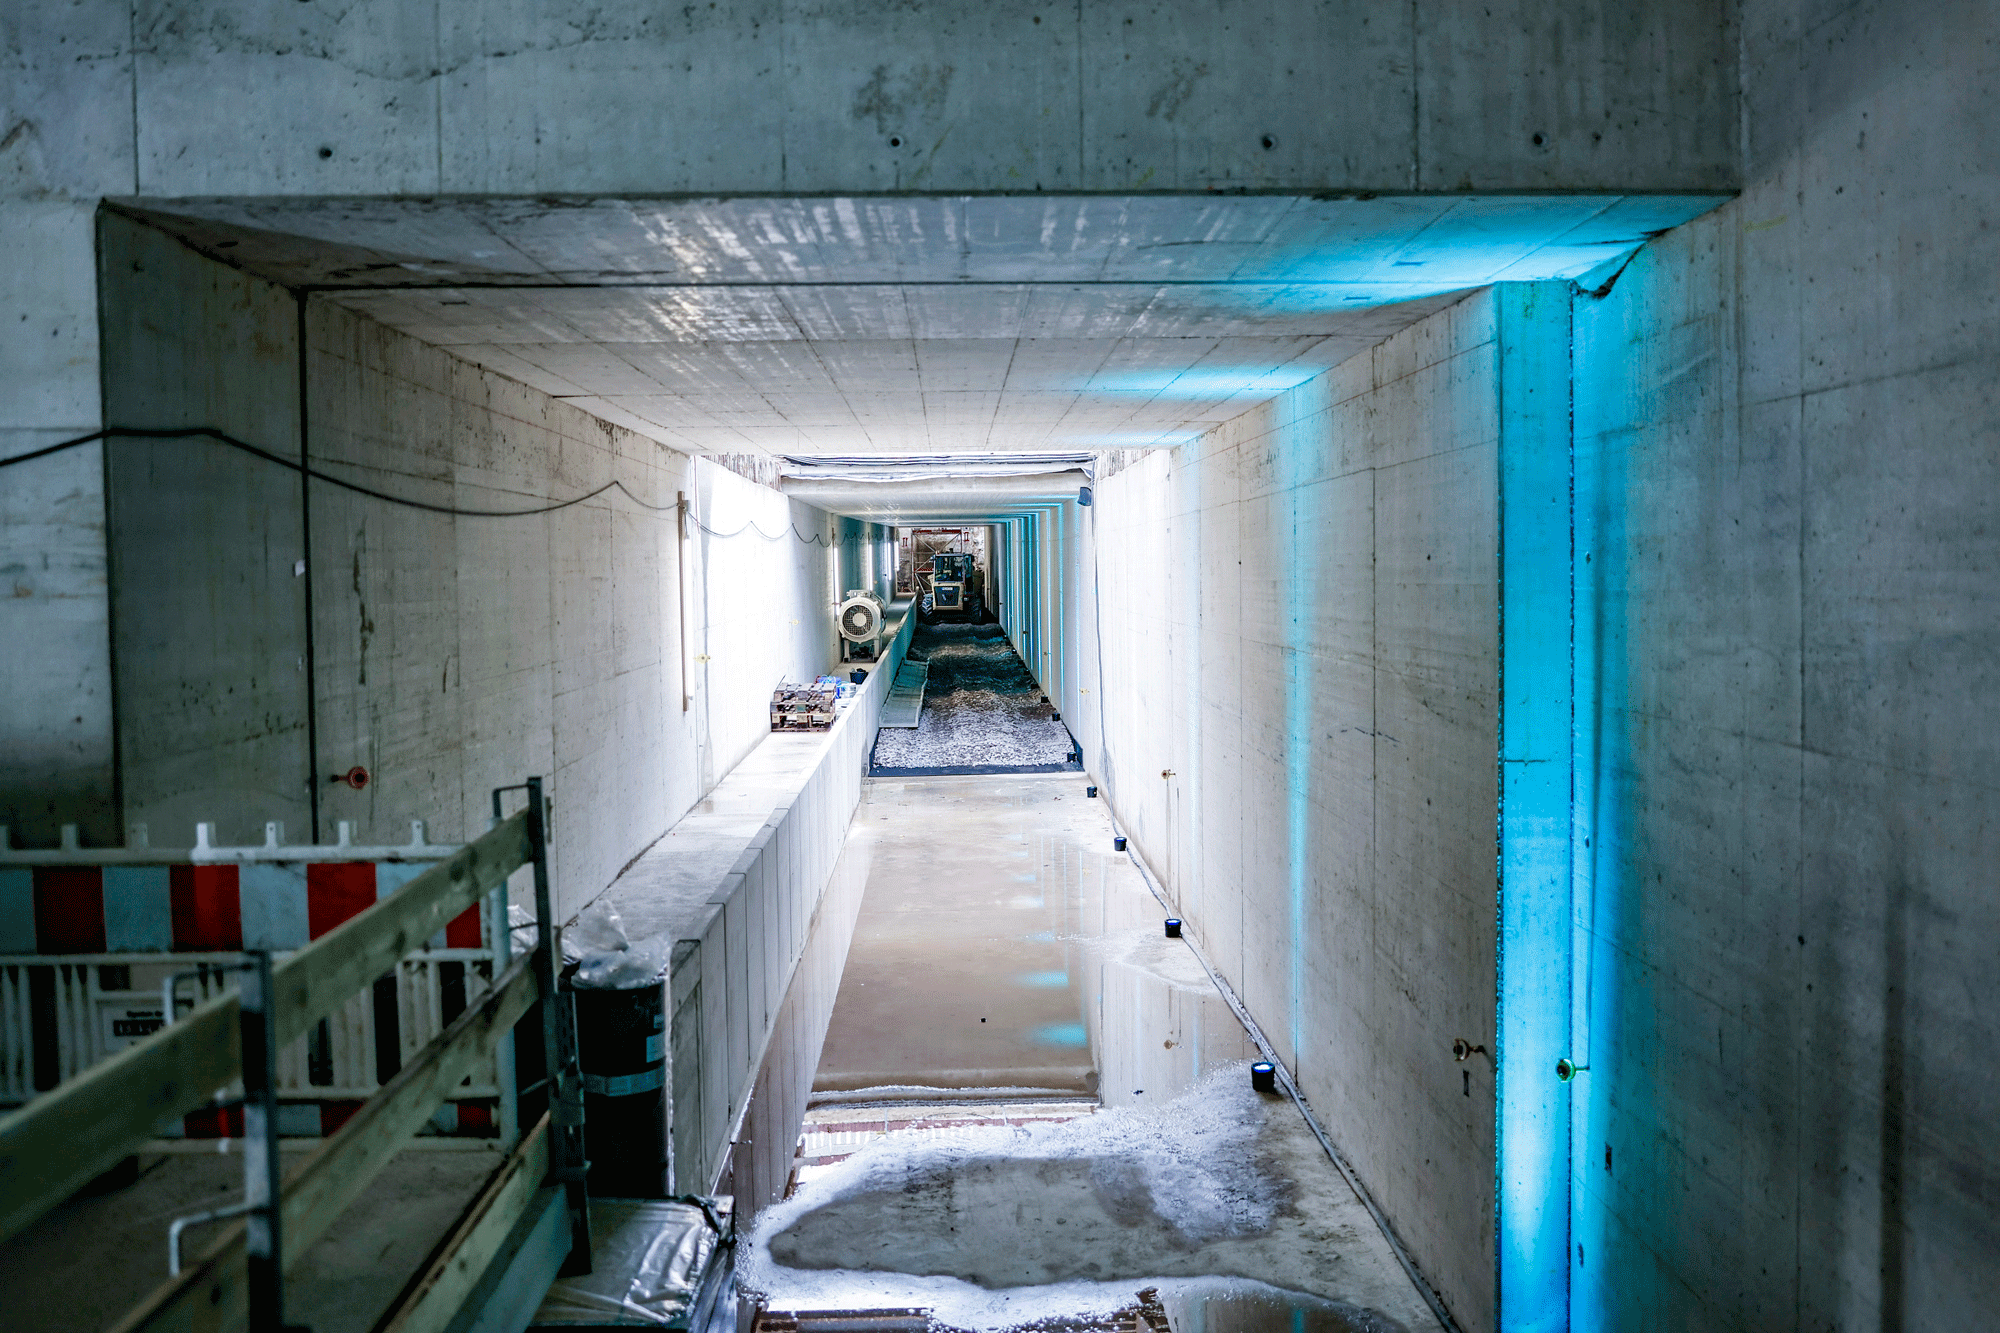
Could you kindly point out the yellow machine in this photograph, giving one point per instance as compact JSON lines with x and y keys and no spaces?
{"x":956,"y":587}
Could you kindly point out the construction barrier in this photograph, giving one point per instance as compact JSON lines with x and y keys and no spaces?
{"x":71,"y":1133}
{"x":88,"y":936}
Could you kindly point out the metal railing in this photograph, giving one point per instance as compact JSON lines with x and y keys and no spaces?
{"x":71,"y":1134}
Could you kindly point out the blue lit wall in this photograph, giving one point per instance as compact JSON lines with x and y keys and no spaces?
{"x":1321,"y":673}
{"x":1534,"y":819}
{"x":1300,"y":459}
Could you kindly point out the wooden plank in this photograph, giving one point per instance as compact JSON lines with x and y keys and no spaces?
{"x":66,"y":1136}
{"x":316,"y":980}
{"x":459,"y":1265}
{"x":518,"y":1290}
{"x":211,"y":1294}
{"x":336,"y":1173}
{"x":58,"y":1142}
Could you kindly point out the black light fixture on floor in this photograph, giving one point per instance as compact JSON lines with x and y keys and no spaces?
{"x":1118,"y":843}
{"x":1090,"y":792}
{"x":1173,"y":927}
{"x":1264,"y":1076}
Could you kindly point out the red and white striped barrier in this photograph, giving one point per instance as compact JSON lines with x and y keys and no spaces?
{"x":87,"y":934}
{"x":78,"y":900}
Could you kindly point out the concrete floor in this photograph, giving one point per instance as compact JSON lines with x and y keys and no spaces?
{"x":1220,"y":1192}
{"x":1001,"y":944}
{"x":969,"y":961}
{"x":93,"y":1259}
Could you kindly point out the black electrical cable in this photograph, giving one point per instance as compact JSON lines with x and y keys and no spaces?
{"x":814,"y":540}
{"x":223,"y":437}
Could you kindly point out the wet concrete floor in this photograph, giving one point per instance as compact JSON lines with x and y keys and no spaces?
{"x":1003,"y":946}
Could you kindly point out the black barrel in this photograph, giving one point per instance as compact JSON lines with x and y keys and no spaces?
{"x":621,"y":1038}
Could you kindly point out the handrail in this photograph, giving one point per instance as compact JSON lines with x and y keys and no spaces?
{"x":431,"y":1300}
{"x":213,"y":1292}
{"x":72,"y":1133}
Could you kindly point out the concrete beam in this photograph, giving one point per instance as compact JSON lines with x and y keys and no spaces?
{"x":397,"y":96}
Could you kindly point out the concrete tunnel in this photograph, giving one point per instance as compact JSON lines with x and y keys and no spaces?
{"x":1460,"y":796}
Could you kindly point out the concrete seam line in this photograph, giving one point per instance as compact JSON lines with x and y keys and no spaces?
{"x":1229,"y":996}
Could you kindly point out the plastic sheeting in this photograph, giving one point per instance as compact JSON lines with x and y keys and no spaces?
{"x":648,"y":1257}
{"x":606,"y":959}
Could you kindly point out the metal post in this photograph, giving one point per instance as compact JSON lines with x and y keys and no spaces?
{"x":500,"y":926}
{"x":503,"y":1051}
{"x":263,"y":1241}
{"x":566,"y":1159}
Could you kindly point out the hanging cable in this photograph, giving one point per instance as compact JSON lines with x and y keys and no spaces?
{"x":223,"y":437}
{"x":814,"y":540}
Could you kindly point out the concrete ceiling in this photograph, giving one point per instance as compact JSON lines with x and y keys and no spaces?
{"x":915,"y":325}
{"x":947,"y":500}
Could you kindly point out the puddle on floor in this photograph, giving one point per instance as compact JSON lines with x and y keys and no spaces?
{"x":1256,"y":1308}
{"x":1190,"y":1307}
{"x":1182,"y":1180}
{"x":1054,"y":1216}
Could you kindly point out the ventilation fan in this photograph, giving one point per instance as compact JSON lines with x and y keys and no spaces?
{"x":860,"y":621}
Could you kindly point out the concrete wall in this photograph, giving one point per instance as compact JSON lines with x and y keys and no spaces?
{"x":736,"y":985}
{"x":407,"y":98}
{"x":1783,"y":823}
{"x":760,"y":609}
{"x":1044,"y":573}
{"x":449,"y":653}
{"x":457,"y":653}
{"x":1300,"y":617}
{"x":1788,"y":498}
{"x":56,"y":763}
{"x":209,"y":637}
{"x":234,"y":97}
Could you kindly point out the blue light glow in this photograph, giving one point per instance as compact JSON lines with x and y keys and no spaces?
{"x":1205,"y":383}
{"x":1129,"y":439}
{"x":1619,"y":346}
{"x":1298,"y":527}
{"x":1532,"y":1027}
{"x":1066,"y":1035}
{"x":1042,"y":980}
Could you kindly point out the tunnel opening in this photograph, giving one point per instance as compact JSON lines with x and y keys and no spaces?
{"x":1494,"y":493}
{"x":1209,"y":596}
{"x":737,"y":560}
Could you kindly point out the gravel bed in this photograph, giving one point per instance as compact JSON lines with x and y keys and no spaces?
{"x":981,"y":707}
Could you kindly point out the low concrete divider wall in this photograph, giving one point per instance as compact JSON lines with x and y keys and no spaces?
{"x":734,"y":959}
